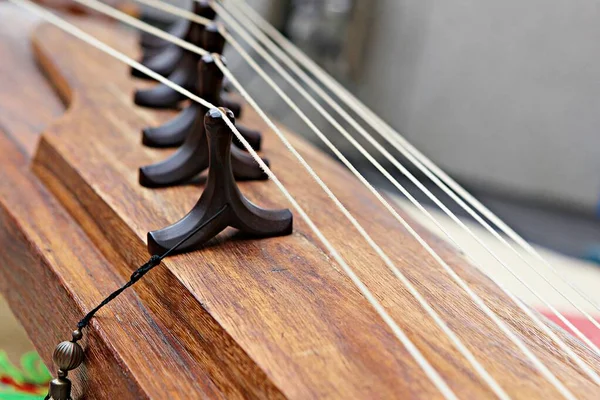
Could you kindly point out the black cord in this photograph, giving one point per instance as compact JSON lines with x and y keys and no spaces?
{"x":154,"y":261}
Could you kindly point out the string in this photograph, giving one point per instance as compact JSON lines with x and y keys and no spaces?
{"x":389,"y":263}
{"x":454,"y":338}
{"x":431,"y":373}
{"x":261,"y":72}
{"x":456,"y":341}
{"x":478,"y":301}
{"x":439,"y":177}
{"x":545,"y":371}
{"x":139,"y":273}
{"x":307,"y":80}
{"x":413,"y":290}
{"x":584,"y":338}
{"x":477,"y":366}
{"x":316,"y":88}
{"x":124,"y":17}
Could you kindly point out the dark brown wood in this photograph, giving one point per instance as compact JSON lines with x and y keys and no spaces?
{"x":152,"y":43}
{"x":36,"y":260}
{"x":49,"y":263}
{"x":241,"y":318}
{"x":173,"y":132}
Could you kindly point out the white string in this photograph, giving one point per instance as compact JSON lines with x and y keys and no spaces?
{"x":475,"y":298}
{"x":413,"y":350}
{"x":223,"y":14}
{"x":316,"y":88}
{"x":411,"y":288}
{"x":123,"y":17}
{"x":543,"y":369}
{"x":416,"y":157}
{"x":439,"y":321}
{"x":476,"y":216}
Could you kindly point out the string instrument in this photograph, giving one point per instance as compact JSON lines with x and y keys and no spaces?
{"x":289,"y":275}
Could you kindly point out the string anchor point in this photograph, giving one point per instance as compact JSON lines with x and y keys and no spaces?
{"x":208,"y":85}
{"x":221,"y":192}
{"x":192,"y":157}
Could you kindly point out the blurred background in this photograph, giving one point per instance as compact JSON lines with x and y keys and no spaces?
{"x":504,"y":96}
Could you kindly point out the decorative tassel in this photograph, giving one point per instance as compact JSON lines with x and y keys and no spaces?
{"x":69,"y":355}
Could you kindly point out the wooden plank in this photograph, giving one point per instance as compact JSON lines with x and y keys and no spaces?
{"x":281,"y":302}
{"x":23,"y":87}
{"x":135,"y":340}
{"x":52,"y":273}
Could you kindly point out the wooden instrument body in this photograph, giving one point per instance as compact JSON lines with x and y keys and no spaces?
{"x":241,"y":318}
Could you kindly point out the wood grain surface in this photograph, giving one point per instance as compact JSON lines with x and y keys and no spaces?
{"x":240,"y":318}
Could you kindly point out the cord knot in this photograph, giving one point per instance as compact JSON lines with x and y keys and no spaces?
{"x":155,"y":260}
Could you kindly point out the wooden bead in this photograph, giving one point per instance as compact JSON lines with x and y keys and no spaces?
{"x":68,"y":355}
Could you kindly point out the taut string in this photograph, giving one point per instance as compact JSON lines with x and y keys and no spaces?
{"x":317,"y":89}
{"x":593,"y":375}
{"x":439,"y":177}
{"x":141,"y":25}
{"x":389,"y":263}
{"x":474,"y":297}
{"x":386,"y":259}
{"x":431,"y":373}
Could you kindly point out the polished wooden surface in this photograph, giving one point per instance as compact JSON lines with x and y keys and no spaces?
{"x":241,"y":318}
